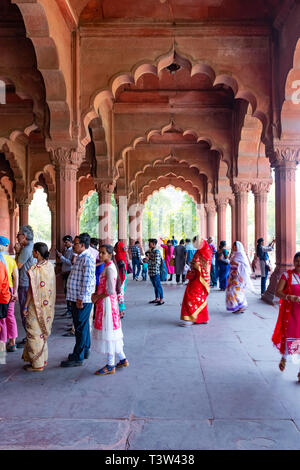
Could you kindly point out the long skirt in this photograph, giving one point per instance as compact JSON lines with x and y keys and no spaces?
{"x":194,"y":304}
{"x":108,"y":340}
{"x":235,"y":291}
{"x":36,"y":348}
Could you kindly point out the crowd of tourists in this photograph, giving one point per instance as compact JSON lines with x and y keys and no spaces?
{"x":97,"y":274}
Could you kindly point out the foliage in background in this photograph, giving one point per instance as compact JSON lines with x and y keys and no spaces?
{"x":170,"y":212}
{"x":89,"y":219}
{"x":40,"y":217}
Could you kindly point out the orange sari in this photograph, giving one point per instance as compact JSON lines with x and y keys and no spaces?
{"x":194,"y":305}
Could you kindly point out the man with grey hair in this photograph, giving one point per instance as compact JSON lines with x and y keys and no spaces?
{"x":24,"y":260}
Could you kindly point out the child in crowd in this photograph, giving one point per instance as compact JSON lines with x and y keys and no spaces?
{"x":145,"y":269}
{"x":107,"y":334}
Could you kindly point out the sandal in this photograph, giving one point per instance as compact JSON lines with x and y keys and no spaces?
{"x":106,"y":370}
{"x":29,"y":368}
{"x":153,"y":301}
{"x":122,"y":363}
{"x":11,"y":348}
{"x":160,"y":303}
{"x":282,"y":364}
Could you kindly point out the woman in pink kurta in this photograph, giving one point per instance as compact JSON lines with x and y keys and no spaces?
{"x":107,"y":334}
{"x":169,"y":250}
{"x":286,"y":336}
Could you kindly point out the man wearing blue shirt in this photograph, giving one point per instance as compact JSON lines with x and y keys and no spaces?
{"x":80,"y":287}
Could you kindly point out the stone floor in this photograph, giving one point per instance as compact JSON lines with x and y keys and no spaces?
{"x":214,"y":386}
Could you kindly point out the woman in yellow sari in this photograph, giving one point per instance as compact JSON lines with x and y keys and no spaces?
{"x":39,"y":309}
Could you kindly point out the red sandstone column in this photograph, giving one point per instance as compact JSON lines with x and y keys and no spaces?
{"x":105,"y":191}
{"x":211,"y":219}
{"x":132,"y":224}
{"x":23,"y":212}
{"x":66,"y":163}
{"x":12,"y":230}
{"x":284,"y":160}
{"x":52,"y":207}
{"x":241,"y":190}
{"x":122,"y":219}
{"x":139,"y":223}
{"x":233,"y":220}
{"x":260,"y":191}
{"x":221,"y":214}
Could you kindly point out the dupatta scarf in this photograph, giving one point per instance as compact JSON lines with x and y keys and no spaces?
{"x":244,"y":269}
{"x":285,"y":308}
{"x":121,"y":253}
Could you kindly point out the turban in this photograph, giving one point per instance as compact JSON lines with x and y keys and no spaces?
{"x":4,"y":241}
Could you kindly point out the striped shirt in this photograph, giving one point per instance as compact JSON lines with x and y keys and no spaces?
{"x":154,"y":262}
{"x":81,"y":281}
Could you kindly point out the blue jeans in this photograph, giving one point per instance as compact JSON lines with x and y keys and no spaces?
{"x":81,"y":320}
{"x":263,"y":282}
{"x":157,"y":286}
{"x":136,"y":267}
{"x":144,"y":273}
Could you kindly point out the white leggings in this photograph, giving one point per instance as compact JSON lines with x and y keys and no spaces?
{"x":111,"y":358}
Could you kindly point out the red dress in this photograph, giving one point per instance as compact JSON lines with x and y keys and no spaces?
{"x":194,"y":305}
{"x":287,"y":330}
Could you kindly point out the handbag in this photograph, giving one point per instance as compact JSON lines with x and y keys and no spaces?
{"x":172,"y":262}
{"x":3,"y":310}
{"x":129,"y":269}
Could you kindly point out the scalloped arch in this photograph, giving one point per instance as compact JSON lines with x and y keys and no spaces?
{"x":290,"y":112}
{"x":107,"y":95}
{"x":177,"y":182}
{"x":37,"y":29}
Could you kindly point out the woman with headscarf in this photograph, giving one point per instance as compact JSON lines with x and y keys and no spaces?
{"x":239,"y":279}
{"x":121,"y":262}
{"x":286,"y":336}
{"x":223,"y":265}
{"x":194,"y":304}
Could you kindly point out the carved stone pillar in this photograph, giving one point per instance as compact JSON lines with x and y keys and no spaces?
{"x":52,"y":207}
{"x":221,"y":214}
{"x":139,"y":222}
{"x":105,"y":191}
{"x":202,"y":231}
{"x":12,"y":230}
{"x":241,"y":189}
{"x":24,"y":204}
{"x":260,"y":190}
{"x":132,"y":224}
{"x":211,"y":219}
{"x":284,"y":160}
{"x":66,"y":162}
{"x":122,"y":219}
{"x":233,"y":220}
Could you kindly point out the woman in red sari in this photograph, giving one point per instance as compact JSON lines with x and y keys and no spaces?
{"x":194,"y":305}
{"x":286,"y":336}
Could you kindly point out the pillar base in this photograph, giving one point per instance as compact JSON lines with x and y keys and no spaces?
{"x":269,"y":296}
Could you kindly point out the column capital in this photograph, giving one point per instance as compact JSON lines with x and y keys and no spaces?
{"x":221,"y":201}
{"x":240,"y":186}
{"x":23,"y":199}
{"x":210,"y":208}
{"x":105,"y":186}
{"x":63,"y":156}
{"x":284,"y":152}
{"x":261,"y":187}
